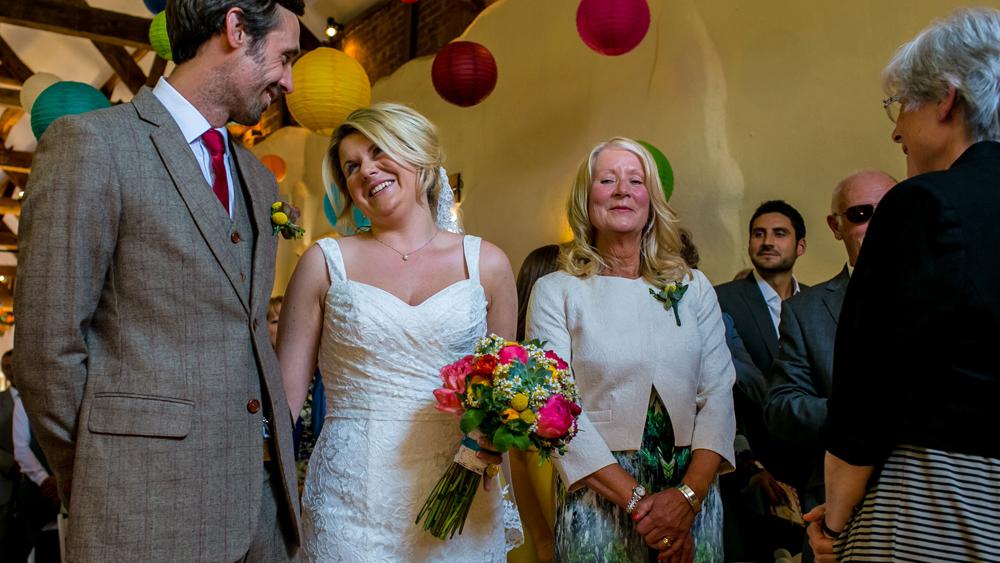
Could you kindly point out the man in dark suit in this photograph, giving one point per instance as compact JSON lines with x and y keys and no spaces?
{"x":146,"y":265}
{"x":777,"y":239}
{"x":800,"y":378}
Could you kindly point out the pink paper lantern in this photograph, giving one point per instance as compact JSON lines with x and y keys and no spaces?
{"x":612,"y":27}
{"x":464,"y":73}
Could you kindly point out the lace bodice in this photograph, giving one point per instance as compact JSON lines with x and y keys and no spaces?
{"x":384,"y":445}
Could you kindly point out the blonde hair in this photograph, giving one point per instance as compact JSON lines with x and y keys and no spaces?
{"x":660,"y":260}
{"x":274,"y":307}
{"x":401,"y":133}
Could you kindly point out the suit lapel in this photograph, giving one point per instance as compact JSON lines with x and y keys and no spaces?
{"x":761,"y":315}
{"x":258,"y":208}
{"x":834,"y":297}
{"x":209,"y":217}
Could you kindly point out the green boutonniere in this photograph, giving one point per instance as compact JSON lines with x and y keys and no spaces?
{"x":670,"y":296}
{"x":283,"y":218}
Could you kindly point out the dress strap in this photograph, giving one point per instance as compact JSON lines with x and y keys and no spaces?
{"x":334,"y":259}
{"x":471,"y":245}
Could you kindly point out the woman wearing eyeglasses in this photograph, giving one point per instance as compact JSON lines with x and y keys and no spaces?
{"x":912,"y":467}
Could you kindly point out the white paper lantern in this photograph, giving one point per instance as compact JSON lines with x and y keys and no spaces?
{"x":34,"y":86}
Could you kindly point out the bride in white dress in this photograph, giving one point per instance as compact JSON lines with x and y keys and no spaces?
{"x":382,"y":312}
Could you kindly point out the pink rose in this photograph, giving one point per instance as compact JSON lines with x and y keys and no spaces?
{"x":556,"y":417}
{"x":454,"y":375}
{"x":513,"y":352}
{"x":560,"y":363}
{"x":448,"y":401}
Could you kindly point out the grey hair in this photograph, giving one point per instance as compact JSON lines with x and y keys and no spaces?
{"x":961,"y":51}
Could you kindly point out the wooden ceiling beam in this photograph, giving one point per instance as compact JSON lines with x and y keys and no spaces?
{"x":8,"y":241}
{"x":14,"y":65}
{"x":113,"y":28}
{"x":9,"y":205}
{"x":10,"y":98}
{"x":15,"y":161}
{"x":124,"y":65}
{"x":156,"y":71}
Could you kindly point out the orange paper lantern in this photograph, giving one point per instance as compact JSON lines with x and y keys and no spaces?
{"x":276,"y":165}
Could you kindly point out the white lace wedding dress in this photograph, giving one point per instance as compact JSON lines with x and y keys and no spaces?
{"x":384,"y":445}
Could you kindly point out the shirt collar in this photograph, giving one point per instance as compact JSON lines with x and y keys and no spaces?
{"x":770,"y":295}
{"x":190,"y":121}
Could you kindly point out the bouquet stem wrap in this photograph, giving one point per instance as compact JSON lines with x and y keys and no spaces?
{"x":448,"y":504}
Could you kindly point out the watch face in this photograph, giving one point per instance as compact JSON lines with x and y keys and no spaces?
{"x":639,"y":490}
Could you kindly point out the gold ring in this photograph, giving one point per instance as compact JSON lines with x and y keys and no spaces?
{"x":666,"y":541}
{"x":492,"y":470}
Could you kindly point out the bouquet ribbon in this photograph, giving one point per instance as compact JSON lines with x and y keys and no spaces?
{"x":466,"y":456}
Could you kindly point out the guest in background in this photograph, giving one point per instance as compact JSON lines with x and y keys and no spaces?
{"x":37,"y":495}
{"x":777,"y":238}
{"x":912,"y":465}
{"x":800,"y":378}
{"x":636,"y":483}
{"x":9,"y":473}
{"x":536,"y":500}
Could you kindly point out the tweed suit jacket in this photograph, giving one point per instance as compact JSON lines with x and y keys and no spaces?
{"x":146,"y":341}
{"x":801,"y":377}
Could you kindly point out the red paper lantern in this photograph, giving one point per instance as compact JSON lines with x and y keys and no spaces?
{"x":409,"y":1}
{"x":464,"y":73}
{"x":612,"y":27}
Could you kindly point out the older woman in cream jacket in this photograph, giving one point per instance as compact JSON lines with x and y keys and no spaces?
{"x":644,"y":337}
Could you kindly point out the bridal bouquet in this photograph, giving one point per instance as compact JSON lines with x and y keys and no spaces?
{"x":515,"y":395}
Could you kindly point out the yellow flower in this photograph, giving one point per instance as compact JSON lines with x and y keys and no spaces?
{"x":519,"y":402}
{"x":528,"y":416}
{"x":481,"y":381}
{"x":276,"y":206}
{"x":279,"y":218}
{"x":509,"y":415}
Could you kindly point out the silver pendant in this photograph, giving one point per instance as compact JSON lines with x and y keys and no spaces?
{"x":406,"y":257}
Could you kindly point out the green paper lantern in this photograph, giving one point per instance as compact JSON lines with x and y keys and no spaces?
{"x":64,"y":98}
{"x":158,"y":37}
{"x":663,"y":169}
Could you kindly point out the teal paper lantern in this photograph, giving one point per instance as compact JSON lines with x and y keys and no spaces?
{"x":333,"y":209}
{"x":361,"y":222}
{"x":158,"y":37}
{"x":331,"y":215}
{"x":663,"y":169}
{"x":64,"y":98}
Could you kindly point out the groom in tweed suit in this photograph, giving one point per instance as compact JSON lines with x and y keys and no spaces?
{"x":145,"y":270}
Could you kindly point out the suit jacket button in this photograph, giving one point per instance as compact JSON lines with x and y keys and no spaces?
{"x":243,"y":277}
{"x":253,"y":405}
{"x":235,"y":237}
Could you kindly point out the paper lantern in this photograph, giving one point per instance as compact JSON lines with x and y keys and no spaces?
{"x":155,"y":6}
{"x":158,"y":37}
{"x":612,"y":27}
{"x":276,"y":165}
{"x":409,"y":1}
{"x":64,"y":98}
{"x":464,"y":73}
{"x":331,"y":215}
{"x":328,"y":86}
{"x":35,"y":85}
{"x":663,"y":168}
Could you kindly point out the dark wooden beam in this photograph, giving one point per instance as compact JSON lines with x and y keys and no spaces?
{"x":10,"y":206}
{"x":124,"y":66}
{"x":96,"y":24}
{"x":156,"y":71}
{"x":8,"y":119}
{"x":15,"y":161}
{"x":10,"y":98}
{"x":7,"y":79}
{"x":8,"y":241}
{"x":20,"y":179}
{"x":307,"y":41}
{"x":13,"y":63}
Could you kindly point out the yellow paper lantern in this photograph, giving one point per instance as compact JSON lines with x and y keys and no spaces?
{"x":328,"y":86}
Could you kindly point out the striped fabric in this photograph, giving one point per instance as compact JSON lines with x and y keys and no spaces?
{"x":928,"y":505}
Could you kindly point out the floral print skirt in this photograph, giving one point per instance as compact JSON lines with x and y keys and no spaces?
{"x":590,"y":529}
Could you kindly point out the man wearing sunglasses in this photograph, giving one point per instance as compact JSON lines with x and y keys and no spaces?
{"x":800,"y":379}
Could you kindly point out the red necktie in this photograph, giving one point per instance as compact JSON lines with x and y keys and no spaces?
{"x":220,"y":184}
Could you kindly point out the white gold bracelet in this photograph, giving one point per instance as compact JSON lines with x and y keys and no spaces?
{"x":690,"y":497}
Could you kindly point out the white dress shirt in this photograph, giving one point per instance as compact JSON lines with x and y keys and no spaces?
{"x":193,"y":125}
{"x":772,"y":298}
{"x":26,"y":458}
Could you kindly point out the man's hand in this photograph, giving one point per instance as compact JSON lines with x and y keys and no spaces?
{"x":821,"y":544}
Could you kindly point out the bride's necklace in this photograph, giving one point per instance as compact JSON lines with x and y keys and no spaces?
{"x":406,"y":256}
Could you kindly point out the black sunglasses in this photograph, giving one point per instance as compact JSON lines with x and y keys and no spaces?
{"x":858,"y":214}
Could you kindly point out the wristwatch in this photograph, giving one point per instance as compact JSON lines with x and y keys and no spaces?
{"x":690,"y":496}
{"x":637,"y":493}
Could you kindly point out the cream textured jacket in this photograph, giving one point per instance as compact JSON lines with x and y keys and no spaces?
{"x":620,"y":344}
